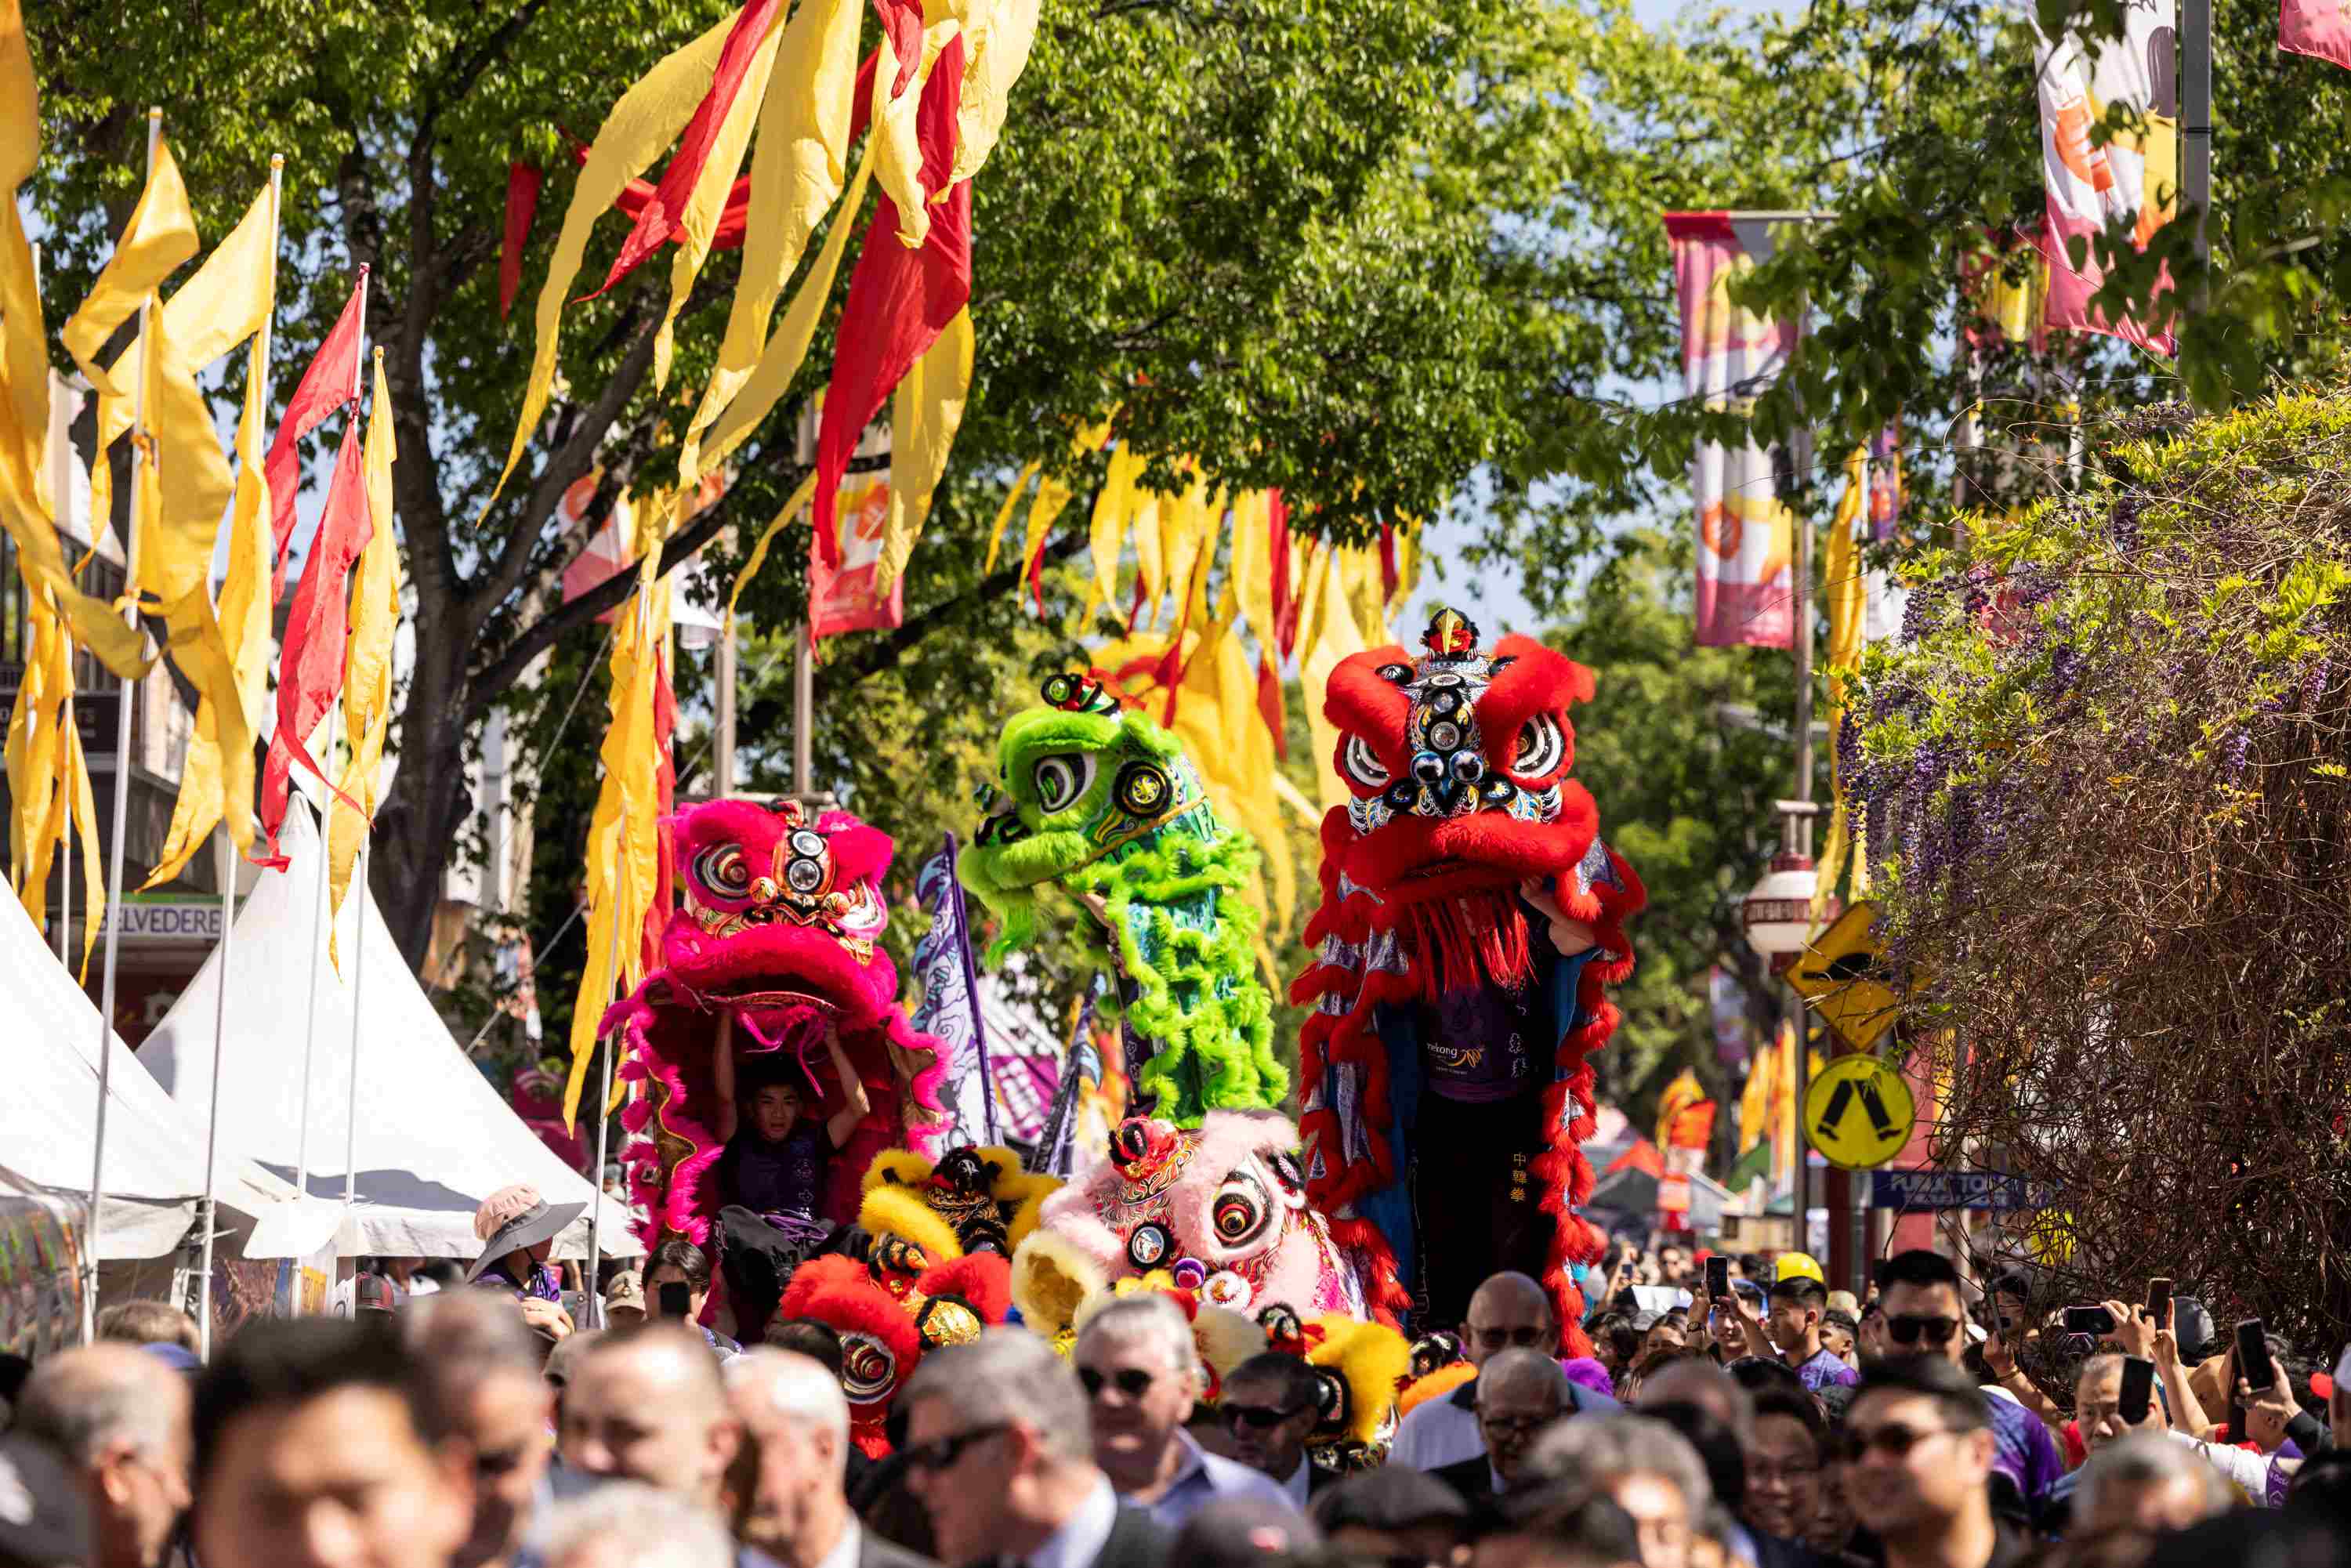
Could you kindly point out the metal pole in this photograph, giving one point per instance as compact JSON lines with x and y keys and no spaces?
{"x":1803,"y":1177}
{"x":804,"y":714}
{"x":2196,"y":117}
{"x":60,"y":487}
{"x":322,"y":925}
{"x":358,"y":873}
{"x":722,"y":754}
{"x":121,"y":803}
{"x":224,"y":864}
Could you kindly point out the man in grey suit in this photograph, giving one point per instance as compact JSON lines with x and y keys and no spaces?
{"x":1000,"y":1449}
{"x":792,"y":1407}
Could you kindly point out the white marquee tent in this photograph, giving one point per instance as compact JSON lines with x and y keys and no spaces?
{"x":434,"y":1138}
{"x":154,"y":1149}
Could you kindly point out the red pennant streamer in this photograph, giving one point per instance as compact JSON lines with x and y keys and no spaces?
{"x":902,"y":24}
{"x":310,"y":659}
{"x":900,"y":300}
{"x":1388,"y":562}
{"x":659,"y":217}
{"x":522,"y":206}
{"x":1270,"y":704}
{"x":332,"y":381}
{"x":638,"y":194}
{"x":1285,"y":606}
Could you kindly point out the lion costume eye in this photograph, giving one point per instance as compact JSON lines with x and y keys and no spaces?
{"x":1542,"y":749}
{"x":868,"y":1369}
{"x":722,"y":870}
{"x":1061,"y":779}
{"x":1361,"y":764}
{"x":1240,"y":1213}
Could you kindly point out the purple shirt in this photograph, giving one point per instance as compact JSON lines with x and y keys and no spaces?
{"x":1826,"y":1371}
{"x":776,"y":1177}
{"x":2023,"y":1450}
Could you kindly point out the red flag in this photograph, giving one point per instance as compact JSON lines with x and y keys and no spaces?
{"x":522,"y":206}
{"x":1268,"y":703}
{"x":638,"y":194}
{"x":1388,"y":562}
{"x":1285,"y":606}
{"x":2317,"y":27}
{"x":900,"y":300}
{"x":332,"y":381}
{"x":659,"y":219}
{"x":311,"y":659}
{"x":902,"y":24}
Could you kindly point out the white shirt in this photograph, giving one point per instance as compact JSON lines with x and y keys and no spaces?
{"x":1437,"y":1433}
{"x":844,"y":1551}
{"x":1083,"y":1535}
{"x":1300,"y":1484}
{"x":2250,"y":1471}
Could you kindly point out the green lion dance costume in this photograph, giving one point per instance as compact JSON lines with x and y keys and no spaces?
{"x":1101,"y":801}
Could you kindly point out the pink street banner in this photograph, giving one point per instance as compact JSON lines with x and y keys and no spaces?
{"x":1729,"y":357}
{"x":2135,"y":177}
{"x":2320,"y":27}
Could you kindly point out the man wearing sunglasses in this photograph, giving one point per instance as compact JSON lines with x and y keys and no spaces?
{"x":1509,"y":1312}
{"x":1141,"y":1373}
{"x":482,"y":1363}
{"x":1918,"y":1451}
{"x":999,"y":1451}
{"x":1270,"y":1405}
{"x":1924,"y":1316}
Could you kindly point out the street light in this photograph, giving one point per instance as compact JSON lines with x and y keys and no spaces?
{"x":1777,"y":912}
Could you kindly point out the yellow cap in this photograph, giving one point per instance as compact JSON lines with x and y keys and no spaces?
{"x":1799,"y":1266}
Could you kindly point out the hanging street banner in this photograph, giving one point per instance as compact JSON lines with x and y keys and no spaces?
{"x":1729,"y":357}
{"x":2321,"y":28}
{"x":2135,"y":177}
{"x":1956,"y":1189}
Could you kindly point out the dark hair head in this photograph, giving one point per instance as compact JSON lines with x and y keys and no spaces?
{"x":677,"y":1252}
{"x":2015,"y":1282}
{"x":1918,"y":1266}
{"x":288,"y":1361}
{"x":1803,"y":1290}
{"x":1758,"y":1375}
{"x":1797,"y":1406}
{"x":771,"y":1069}
{"x":1955,"y":1393}
{"x":1835,"y":1399}
{"x":1834,"y":1319}
{"x":1717,"y":1446}
{"x":1300,"y":1388}
{"x":820,"y":1341}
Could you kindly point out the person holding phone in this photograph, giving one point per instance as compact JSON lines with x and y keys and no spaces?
{"x":678,"y":1283}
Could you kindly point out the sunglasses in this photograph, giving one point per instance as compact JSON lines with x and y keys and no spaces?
{"x":941,"y":1453}
{"x":1907,"y":1329}
{"x":1496,"y":1339}
{"x":1892,"y":1440}
{"x":1515,"y":1426}
{"x":1133,"y":1382}
{"x":1262,"y":1418}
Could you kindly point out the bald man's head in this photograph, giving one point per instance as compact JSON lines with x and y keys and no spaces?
{"x":793,"y":1404}
{"x":647,"y":1404}
{"x":122,"y":1418}
{"x":1693,"y":1380}
{"x":1510,"y":1311}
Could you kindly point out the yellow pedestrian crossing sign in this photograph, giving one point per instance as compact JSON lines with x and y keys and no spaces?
{"x":1839,"y":976}
{"x":1858,"y":1113}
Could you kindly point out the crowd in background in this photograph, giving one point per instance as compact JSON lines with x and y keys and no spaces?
{"x":1735,"y":1414}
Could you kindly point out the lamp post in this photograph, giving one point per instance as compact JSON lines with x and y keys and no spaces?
{"x":1776,"y":916}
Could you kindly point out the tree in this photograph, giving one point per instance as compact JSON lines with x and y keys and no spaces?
{"x":2105,"y":768}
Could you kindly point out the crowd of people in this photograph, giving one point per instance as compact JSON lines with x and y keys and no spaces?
{"x":1765,"y":1423}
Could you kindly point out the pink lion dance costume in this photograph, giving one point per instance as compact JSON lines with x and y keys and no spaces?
{"x":777,"y":926}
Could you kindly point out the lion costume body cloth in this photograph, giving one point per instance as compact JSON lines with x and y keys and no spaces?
{"x":1470,"y":920}
{"x":777,"y":925}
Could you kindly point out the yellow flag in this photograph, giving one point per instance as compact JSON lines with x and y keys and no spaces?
{"x":1113,"y":515}
{"x":898,"y":154}
{"x":20,"y":104}
{"x":798,"y":165}
{"x":367,"y":659}
{"x":780,"y":361}
{"x":1004,"y":513}
{"x":996,"y":40}
{"x":1848,"y":594}
{"x":641,"y":127}
{"x":161,"y":235}
{"x":1336,"y":635}
{"x":623,"y":844}
{"x":792,"y":507}
{"x":699,"y":221}
{"x":925,"y":412}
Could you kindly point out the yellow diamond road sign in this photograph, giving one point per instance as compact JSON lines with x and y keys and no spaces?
{"x":1838,"y":975}
{"x":1858,"y":1113}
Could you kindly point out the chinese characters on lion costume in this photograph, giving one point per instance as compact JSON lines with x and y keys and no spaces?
{"x":1470,"y":919}
{"x":775,"y":941}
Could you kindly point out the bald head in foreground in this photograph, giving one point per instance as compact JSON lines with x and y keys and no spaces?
{"x":646,"y":1404}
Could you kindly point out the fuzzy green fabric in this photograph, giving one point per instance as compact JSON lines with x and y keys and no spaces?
{"x":1180,"y":931}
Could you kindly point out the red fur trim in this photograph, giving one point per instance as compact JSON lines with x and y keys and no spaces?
{"x":983,"y":1278}
{"x":1500,"y":849}
{"x":1376,"y":1267}
{"x":1366,"y":705}
{"x":926,"y":1119}
{"x":1539,"y":681}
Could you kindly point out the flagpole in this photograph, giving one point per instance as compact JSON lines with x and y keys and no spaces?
{"x":2196,"y":118}
{"x":121,"y":803}
{"x":359,"y":879}
{"x":60,"y":487}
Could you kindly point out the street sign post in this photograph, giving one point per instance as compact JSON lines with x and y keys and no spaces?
{"x":1858,"y":1113}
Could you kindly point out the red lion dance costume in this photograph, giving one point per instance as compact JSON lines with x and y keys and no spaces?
{"x":777,"y":925}
{"x":1470,"y":919}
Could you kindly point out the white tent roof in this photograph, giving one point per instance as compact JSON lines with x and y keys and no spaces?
{"x":154,"y":1151}
{"x":433,"y":1137}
